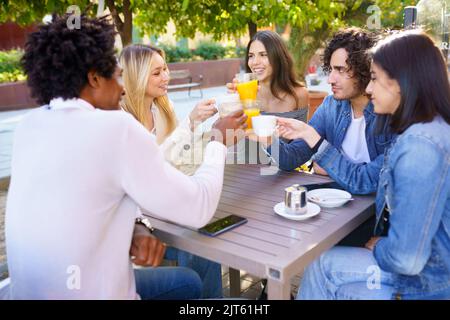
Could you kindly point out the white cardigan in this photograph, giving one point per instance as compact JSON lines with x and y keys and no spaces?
{"x":183,"y":148}
{"x":78,"y":176}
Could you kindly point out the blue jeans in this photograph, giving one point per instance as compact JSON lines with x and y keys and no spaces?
{"x":346,"y":273}
{"x":167,"y":283}
{"x":209,"y":272}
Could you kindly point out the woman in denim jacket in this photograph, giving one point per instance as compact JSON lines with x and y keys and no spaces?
{"x":410,"y":256}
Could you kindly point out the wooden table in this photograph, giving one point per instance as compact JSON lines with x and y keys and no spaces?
{"x":268,"y":246}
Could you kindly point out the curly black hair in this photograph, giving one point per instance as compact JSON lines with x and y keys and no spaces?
{"x":57,"y":58}
{"x":357,"y":42}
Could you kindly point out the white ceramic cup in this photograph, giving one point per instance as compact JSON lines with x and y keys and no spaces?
{"x":264,"y":126}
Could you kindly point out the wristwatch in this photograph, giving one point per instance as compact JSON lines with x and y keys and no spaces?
{"x":146,"y":223}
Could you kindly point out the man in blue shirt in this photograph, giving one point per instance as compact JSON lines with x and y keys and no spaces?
{"x":344,"y":137}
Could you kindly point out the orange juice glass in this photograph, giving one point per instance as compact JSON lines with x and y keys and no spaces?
{"x":247,"y":86}
{"x":251,"y":109}
{"x":248,"y":90}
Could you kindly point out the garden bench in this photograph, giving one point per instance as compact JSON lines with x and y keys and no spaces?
{"x":185,"y":75}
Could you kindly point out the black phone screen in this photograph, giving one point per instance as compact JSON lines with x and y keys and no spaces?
{"x":222,"y":225}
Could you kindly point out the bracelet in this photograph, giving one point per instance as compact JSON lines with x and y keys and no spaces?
{"x":146,"y":223}
{"x":317,"y":145}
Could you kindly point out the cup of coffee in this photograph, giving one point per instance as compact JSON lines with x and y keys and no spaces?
{"x":264,"y":126}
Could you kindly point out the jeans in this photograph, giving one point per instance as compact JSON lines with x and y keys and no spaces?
{"x":167,"y":283}
{"x":209,"y":272}
{"x":346,"y":273}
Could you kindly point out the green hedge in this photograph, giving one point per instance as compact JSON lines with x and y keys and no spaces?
{"x":204,"y":51}
{"x":10,"y":68}
{"x":175,"y":54}
{"x":210,"y":51}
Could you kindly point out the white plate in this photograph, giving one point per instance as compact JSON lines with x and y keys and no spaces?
{"x":313,"y":210}
{"x":326,"y":196}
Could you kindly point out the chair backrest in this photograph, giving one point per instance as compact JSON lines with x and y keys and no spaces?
{"x":180,"y":74}
{"x":4,"y":282}
{"x":3,"y":271}
{"x":4,"y":289}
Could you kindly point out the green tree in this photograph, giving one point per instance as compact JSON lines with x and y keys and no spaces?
{"x":312,"y":22}
{"x":29,"y":12}
{"x":310,"y":33}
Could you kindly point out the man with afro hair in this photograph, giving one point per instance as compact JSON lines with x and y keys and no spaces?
{"x":81,"y":168}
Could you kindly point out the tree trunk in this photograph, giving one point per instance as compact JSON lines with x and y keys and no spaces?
{"x":127,"y":32}
{"x":125,"y":27}
{"x":251,"y":29}
{"x":303,"y":44}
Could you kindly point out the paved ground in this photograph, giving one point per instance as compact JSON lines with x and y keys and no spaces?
{"x":2,"y":226}
{"x":250,"y":285}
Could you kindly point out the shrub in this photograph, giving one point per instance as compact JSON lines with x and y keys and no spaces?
{"x":205,"y":51}
{"x":235,"y":52}
{"x":175,"y":54}
{"x":16,"y":75}
{"x":10,"y":68}
{"x":210,"y":51}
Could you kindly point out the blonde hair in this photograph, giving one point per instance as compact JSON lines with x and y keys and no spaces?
{"x":136,"y":61}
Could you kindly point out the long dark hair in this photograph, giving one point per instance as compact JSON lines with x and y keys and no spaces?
{"x":417,"y":64}
{"x":283,"y":76}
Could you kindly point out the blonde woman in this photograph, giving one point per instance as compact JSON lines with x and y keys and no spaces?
{"x":146,"y":78}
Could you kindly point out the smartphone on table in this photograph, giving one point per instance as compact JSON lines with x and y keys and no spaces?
{"x":219,"y":226}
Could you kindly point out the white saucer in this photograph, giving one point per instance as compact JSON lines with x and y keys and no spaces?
{"x":313,"y":210}
{"x":326,"y":196}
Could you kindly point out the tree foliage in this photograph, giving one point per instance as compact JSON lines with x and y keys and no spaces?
{"x":30,"y":12}
{"x":312,"y":21}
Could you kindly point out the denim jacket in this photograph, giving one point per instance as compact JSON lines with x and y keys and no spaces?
{"x":331,"y":121}
{"x":415,"y":188}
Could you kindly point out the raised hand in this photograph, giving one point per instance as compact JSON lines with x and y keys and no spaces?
{"x":232,"y":87}
{"x":202,"y":111}
{"x":295,"y":129}
{"x":230,"y":129}
{"x":291,"y":128}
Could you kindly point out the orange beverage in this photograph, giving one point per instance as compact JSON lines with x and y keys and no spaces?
{"x":248,"y":90}
{"x":251,"y":112}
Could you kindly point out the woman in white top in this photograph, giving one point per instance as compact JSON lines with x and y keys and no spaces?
{"x":280,"y":93}
{"x":146,"y":78}
{"x":80,"y":169}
